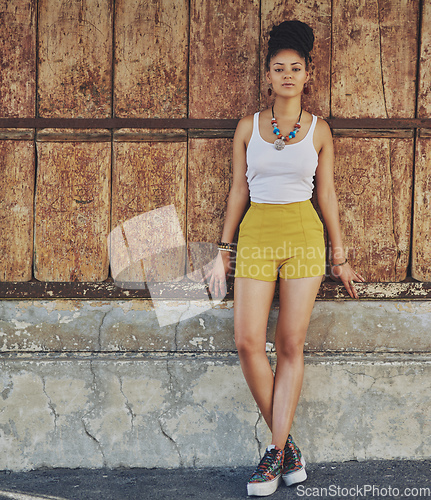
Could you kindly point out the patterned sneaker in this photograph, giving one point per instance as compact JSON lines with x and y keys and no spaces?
{"x":267,"y":476}
{"x":294,"y":464}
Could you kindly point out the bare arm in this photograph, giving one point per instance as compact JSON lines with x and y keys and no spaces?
{"x":236,"y":204}
{"x":328,"y":204}
{"x":239,"y":193}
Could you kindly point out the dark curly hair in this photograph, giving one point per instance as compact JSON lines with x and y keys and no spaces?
{"x":294,"y":35}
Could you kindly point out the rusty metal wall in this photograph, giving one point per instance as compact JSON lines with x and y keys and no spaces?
{"x":200,"y":59}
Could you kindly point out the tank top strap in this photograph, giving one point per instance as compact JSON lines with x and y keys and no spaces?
{"x":255,"y":125}
{"x":310,"y":133}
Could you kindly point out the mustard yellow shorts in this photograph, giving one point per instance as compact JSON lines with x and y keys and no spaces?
{"x":280,"y":239}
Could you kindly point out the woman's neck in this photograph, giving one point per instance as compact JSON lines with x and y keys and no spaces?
{"x":287,"y":108}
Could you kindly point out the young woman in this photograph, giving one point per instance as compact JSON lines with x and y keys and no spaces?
{"x":276,"y":154}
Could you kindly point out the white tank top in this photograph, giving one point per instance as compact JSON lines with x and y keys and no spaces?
{"x":284,"y":176}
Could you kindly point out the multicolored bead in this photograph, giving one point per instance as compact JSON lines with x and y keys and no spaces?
{"x":280,"y":142}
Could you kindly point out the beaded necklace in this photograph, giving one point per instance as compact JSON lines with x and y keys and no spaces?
{"x":280,"y":141}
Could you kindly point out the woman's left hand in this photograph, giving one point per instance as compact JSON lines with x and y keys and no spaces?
{"x":348,"y":276}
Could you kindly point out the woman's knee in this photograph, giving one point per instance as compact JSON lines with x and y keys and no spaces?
{"x":247,"y":344}
{"x":291,"y":346}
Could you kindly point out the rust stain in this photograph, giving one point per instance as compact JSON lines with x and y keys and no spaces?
{"x":149,"y":176}
{"x":17,"y":171}
{"x":18,"y":58}
{"x":224,"y":73}
{"x":381,"y":37}
{"x":371,"y":178}
{"x":421,"y":244}
{"x":424,"y":94}
{"x":398,"y":22}
{"x":209,"y":183}
{"x":151,"y":53}
{"x":75,"y":45}
{"x":72,"y":211}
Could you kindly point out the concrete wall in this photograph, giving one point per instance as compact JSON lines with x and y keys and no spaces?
{"x":100,"y":383}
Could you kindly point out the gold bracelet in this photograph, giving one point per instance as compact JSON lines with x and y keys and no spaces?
{"x":342,"y":264}
{"x":226,"y":246}
{"x":226,"y":249}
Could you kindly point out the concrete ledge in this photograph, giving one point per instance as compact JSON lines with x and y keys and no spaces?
{"x":132,"y":325}
{"x":179,"y":410}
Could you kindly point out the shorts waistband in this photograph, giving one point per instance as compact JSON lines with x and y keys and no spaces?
{"x":264,"y":205}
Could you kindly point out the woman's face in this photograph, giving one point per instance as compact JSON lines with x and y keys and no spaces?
{"x":287,"y":73}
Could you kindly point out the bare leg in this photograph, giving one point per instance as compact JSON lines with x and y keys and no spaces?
{"x":252,"y":303}
{"x":297,"y":298}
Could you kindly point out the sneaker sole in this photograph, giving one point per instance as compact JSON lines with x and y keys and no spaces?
{"x":295,"y":477}
{"x":263,"y":489}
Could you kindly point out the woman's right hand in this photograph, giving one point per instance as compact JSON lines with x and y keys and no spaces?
{"x":216,"y":276}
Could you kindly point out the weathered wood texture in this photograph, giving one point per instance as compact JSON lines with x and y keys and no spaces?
{"x":75,"y":58}
{"x":73,"y":135}
{"x":149,"y":176}
{"x":329,"y":290}
{"x":424,"y":91}
{"x":421,"y":244}
{"x":150,"y":135}
{"x":374,"y":185}
{"x":374,"y":58}
{"x":224,"y":58}
{"x":318,"y":16}
{"x":209,"y":179}
{"x":17,"y":58}
{"x":370,"y":73}
{"x":72,"y":211}
{"x":151,"y":55}
{"x":16,"y":134}
{"x":17,"y":160}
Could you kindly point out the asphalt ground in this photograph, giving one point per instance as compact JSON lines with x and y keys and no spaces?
{"x":348,"y":480}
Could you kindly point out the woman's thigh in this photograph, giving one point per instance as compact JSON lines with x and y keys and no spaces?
{"x":297,"y":297}
{"x":252,"y":303}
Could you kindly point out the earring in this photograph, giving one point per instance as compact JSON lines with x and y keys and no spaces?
{"x":269,"y":90}
{"x":306,"y":89}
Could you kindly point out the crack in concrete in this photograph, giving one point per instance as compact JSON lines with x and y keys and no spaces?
{"x":99,"y":336}
{"x":93,"y":384}
{"x":171,"y":439}
{"x":127,"y":404}
{"x":176,"y":335}
{"x":87,"y":432}
{"x":178,"y":324}
{"x":356,"y":374}
{"x":51,"y":405}
{"x":256,"y":437}
{"x":171,"y":377}
{"x":174,"y":386}
{"x":99,"y":445}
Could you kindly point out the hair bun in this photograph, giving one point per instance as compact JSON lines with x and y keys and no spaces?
{"x":294,"y":35}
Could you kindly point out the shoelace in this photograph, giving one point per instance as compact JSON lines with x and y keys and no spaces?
{"x":267,"y":460}
{"x":292,"y":451}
